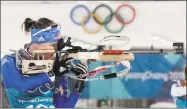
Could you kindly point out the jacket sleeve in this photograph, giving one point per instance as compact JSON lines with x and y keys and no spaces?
{"x":12,"y":77}
{"x":63,"y":101}
{"x":61,"y":98}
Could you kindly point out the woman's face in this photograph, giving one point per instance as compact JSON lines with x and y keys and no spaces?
{"x":44,"y":46}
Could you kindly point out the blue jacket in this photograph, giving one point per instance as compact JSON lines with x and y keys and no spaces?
{"x":36,"y":91}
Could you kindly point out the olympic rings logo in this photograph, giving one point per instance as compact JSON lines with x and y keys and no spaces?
{"x":98,"y":19}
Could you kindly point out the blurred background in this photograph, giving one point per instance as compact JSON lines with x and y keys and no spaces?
{"x":157,"y":24}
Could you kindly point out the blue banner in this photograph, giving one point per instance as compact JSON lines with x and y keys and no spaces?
{"x":150,"y":77}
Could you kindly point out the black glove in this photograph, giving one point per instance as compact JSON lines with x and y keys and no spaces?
{"x":65,"y":65}
{"x":66,"y":62}
{"x":80,"y":85}
{"x":77,"y":70}
{"x":61,"y":67}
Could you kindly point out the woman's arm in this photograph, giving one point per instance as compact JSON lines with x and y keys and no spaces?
{"x":61,"y":98}
{"x":63,"y":101}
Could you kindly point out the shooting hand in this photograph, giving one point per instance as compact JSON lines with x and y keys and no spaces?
{"x":65,"y":65}
{"x":80,"y":85}
{"x":78,"y":69}
{"x":69,"y":65}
